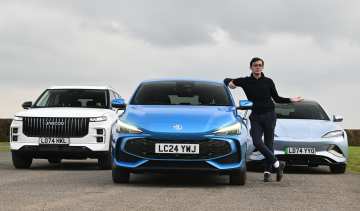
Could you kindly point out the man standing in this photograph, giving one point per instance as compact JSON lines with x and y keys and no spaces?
{"x":262,"y":92}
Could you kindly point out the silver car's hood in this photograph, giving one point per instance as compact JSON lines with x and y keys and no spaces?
{"x":304,"y":128}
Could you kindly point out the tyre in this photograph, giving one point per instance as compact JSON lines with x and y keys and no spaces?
{"x":338,"y":168}
{"x":54,"y":160}
{"x":21,"y":161}
{"x":238,"y":177}
{"x":120,"y":176}
{"x":104,"y":162}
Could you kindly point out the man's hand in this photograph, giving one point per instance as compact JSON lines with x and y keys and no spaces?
{"x":295,"y":99}
{"x":231,"y":85}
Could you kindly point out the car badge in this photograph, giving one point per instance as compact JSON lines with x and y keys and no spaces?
{"x":177,"y":127}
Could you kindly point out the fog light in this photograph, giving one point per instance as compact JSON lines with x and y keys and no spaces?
{"x":15,"y":130}
{"x":14,"y":138}
{"x":335,"y":150}
{"x":99,"y":131}
{"x":99,"y":139}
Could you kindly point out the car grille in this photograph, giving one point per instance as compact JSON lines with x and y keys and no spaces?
{"x":55,"y":127}
{"x":208,"y":149}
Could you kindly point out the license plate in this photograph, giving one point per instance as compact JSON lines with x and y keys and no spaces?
{"x":54,"y":140}
{"x":300,"y":150}
{"x":177,"y":148}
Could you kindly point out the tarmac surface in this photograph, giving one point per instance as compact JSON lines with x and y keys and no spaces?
{"x":79,"y":185}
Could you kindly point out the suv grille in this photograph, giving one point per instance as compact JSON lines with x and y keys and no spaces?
{"x":55,"y":127}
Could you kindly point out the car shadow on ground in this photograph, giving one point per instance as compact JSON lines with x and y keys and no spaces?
{"x":258,"y":167}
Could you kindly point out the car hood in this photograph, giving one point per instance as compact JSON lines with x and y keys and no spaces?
{"x":304,"y":128}
{"x":63,"y":112}
{"x":175,"y":119}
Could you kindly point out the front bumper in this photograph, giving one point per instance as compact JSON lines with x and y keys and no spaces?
{"x":147,"y":161}
{"x":329,"y":151}
{"x":89,"y":141}
{"x":58,"y":151}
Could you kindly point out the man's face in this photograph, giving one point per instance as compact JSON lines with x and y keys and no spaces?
{"x":257,"y":67}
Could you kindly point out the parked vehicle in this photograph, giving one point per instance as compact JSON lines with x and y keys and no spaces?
{"x":180,"y":126}
{"x":305,"y":135}
{"x":65,"y":122}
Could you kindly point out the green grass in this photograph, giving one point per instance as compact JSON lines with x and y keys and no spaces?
{"x":354,"y":159}
{"x":4,"y":146}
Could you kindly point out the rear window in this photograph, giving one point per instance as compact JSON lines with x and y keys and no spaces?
{"x":302,"y":110}
{"x":181,"y":93}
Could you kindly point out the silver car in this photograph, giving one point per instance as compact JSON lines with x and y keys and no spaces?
{"x":305,"y":135}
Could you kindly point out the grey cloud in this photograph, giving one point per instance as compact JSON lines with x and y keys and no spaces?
{"x":179,"y":23}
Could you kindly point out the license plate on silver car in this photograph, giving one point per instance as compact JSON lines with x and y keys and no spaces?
{"x":48,"y":140}
{"x":300,"y":150}
{"x":177,"y":148}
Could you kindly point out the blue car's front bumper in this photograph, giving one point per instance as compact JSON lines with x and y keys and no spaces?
{"x":136,"y":153}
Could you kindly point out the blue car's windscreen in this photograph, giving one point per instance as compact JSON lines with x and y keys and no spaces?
{"x":181,"y":93}
{"x":89,"y":98}
{"x":303,"y":110}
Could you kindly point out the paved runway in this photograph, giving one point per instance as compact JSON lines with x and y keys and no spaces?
{"x":79,"y":185}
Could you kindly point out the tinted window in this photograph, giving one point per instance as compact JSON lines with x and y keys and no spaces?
{"x":181,"y":93}
{"x":73,"y":98}
{"x":303,"y":110}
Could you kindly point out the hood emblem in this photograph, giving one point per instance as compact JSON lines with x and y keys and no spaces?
{"x":55,"y":123}
{"x":177,"y":126}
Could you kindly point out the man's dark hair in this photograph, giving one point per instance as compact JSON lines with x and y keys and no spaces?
{"x":255,"y":59}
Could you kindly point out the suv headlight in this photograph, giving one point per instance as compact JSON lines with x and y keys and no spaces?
{"x":122,"y":127}
{"x":234,"y":129}
{"x":18,"y":118}
{"x":335,"y":133}
{"x":98,"y":119}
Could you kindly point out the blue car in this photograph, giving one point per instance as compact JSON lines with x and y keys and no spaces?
{"x":180,"y":126}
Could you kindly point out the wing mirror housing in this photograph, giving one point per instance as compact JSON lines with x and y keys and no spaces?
{"x":27,"y":105}
{"x":118,"y":103}
{"x":337,"y":118}
{"x":245,"y":105}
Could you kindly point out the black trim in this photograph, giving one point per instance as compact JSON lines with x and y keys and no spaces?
{"x":60,"y":151}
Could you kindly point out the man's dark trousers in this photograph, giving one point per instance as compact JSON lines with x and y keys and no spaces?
{"x":264,"y":123}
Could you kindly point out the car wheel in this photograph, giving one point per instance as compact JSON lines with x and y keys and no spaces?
{"x":104,"y":162}
{"x":338,"y":168}
{"x":120,"y":176}
{"x":21,"y":161}
{"x":54,"y":160}
{"x":238,"y":177}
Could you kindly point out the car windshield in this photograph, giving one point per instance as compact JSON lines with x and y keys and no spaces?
{"x":88,"y":98}
{"x":302,"y":110}
{"x":181,"y":93}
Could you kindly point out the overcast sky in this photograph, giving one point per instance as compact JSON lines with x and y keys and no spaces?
{"x":311,"y":48}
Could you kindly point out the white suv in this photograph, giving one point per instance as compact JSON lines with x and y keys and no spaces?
{"x":65,"y":122}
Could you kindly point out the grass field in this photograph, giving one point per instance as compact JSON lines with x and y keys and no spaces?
{"x":354,"y":161}
{"x":4,"y":146}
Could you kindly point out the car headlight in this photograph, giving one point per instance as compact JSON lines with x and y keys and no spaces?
{"x":18,"y":118}
{"x":122,"y":127}
{"x":234,"y":129}
{"x":332,"y":134}
{"x":98,"y":119}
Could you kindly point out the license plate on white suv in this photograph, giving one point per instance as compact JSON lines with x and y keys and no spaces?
{"x":300,"y":150}
{"x":48,"y":140}
{"x":177,"y":148}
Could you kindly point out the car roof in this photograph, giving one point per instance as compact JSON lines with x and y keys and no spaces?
{"x":312,"y":102}
{"x":182,"y":80}
{"x":81,"y":87}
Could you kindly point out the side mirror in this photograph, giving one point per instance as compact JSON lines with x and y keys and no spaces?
{"x":337,"y":118}
{"x":118,"y":103}
{"x":245,"y":105}
{"x":27,"y":104}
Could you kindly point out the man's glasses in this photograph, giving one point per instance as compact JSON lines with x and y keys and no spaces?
{"x":257,"y":65}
